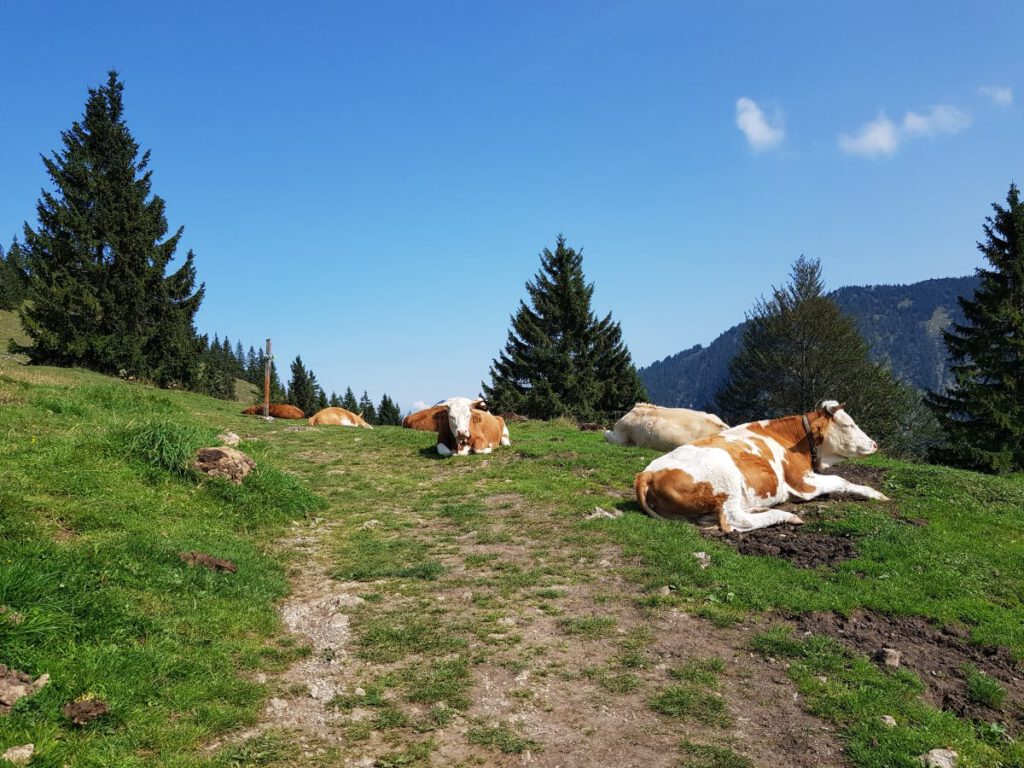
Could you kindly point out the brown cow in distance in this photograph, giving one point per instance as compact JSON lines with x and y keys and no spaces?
{"x":277,"y":410}
{"x":337,"y":417}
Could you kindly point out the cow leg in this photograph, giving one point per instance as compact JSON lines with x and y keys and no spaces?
{"x":834,"y":484}
{"x":444,"y":450}
{"x":504,"y":436}
{"x":760,"y":517}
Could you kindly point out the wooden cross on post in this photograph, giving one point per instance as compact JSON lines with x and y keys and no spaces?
{"x":268,"y":361}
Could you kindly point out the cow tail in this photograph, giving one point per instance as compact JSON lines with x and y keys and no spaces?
{"x":641,"y":486}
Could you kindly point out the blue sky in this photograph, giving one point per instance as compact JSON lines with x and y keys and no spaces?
{"x":370,"y":184}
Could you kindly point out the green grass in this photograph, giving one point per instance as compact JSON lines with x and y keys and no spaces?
{"x":502,"y":738}
{"x":96,"y":500}
{"x":95,"y":504}
{"x":982,"y":689}
{"x":707,"y":756}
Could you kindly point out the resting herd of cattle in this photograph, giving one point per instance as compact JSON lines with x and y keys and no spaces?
{"x":712,"y":473}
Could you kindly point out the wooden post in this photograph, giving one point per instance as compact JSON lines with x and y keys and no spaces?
{"x":266,"y":382}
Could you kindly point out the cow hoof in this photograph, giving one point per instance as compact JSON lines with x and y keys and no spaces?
{"x":883,"y":497}
{"x":794,"y":520}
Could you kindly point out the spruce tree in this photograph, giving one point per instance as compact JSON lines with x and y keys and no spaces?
{"x":388,"y":413}
{"x":349,"y":402}
{"x":799,"y":349}
{"x":302,"y":388}
{"x":560,"y":360}
{"x":982,"y":413}
{"x":100,"y":295}
{"x":367,"y":409}
{"x":321,"y":399}
{"x":334,"y":401}
{"x":13,"y":276}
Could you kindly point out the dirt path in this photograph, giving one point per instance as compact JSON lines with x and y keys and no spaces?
{"x":472,"y":627}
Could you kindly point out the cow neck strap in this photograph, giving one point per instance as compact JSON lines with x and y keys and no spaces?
{"x":815,"y":463}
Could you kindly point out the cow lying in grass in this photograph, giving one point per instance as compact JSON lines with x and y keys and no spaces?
{"x":277,"y":410}
{"x":735,"y":477}
{"x":461,"y":428}
{"x":653,"y":426}
{"x":337,"y":417}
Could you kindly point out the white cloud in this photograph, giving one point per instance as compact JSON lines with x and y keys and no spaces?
{"x":879,"y":137}
{"x":1000,"y":95}
{"x":939,"y":119}
{"x":419,"y":405}
{"x":762,"y":134}
{"x":882,"y":137}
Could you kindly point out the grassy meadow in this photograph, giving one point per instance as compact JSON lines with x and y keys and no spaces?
{"x":490,"y":621}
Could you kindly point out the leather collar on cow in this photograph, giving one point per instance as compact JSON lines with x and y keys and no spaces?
{"x":815,"y":461}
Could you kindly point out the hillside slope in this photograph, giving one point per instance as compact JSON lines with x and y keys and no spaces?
{"x":902,"y":324}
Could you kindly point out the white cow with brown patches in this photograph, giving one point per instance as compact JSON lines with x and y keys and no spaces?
{"x":735,"y":478}
{"x":463,"y":428}
{"x":654,"y":426}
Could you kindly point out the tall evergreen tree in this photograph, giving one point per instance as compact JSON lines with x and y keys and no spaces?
{"x":367,"y":409}
{"x":560,"y":360}
{"x":13,"y":276}
{"x":334,"y":401}
{"x":349,"y":402}
{"x":321,"y":399}
{"x":302,"y":388}
{"x":100,"y":294}
{"x":982,"y":413}
{"x":799,"y":349}
{"x":388,"y":413}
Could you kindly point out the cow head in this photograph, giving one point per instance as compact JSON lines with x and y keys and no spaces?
{"x":460,"y":413}
{"x":842,"y":438}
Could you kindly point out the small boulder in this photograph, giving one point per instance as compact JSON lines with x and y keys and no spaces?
{"x":19,"y":755}
{"x":889,"y":721}
{"x":229,"y":438}
{"x":604,"y":514}
{"x":703,"y":559}
{"x":14,"y":685}
{"x":224,"y":461}
{"x":939,"y":758}
{"x":889,"y":657}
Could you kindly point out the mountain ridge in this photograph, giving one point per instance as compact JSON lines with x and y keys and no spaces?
{"x":902,"y":324}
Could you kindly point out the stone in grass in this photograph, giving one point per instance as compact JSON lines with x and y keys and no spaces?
{"x":19,"y":755}
{"x":85,"y":710}
{"x":14,"y":685}
{"x":889,"y":721}
{"x":939,"y":758}
{"x":224,"y":462}
{"x":599,"y":513}
{"x":207,"y":561}
{"x":229,"y":438}
{"x":889,"y":657}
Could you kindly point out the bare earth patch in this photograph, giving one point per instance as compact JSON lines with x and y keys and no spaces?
{"x":802,"y":547}
{"x":939,"y":656}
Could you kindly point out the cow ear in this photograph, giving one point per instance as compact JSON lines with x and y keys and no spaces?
{"x":832,"y":407}
{"x":480,"y":404}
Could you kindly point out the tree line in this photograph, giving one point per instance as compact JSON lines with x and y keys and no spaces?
{"x":94,"y":286}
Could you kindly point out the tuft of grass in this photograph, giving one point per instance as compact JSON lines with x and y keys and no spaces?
{"x":613,"y":682}
{"x":165,"y":444}
{"x":984,"y":690}
{"x":503,"y":739}
{"x":386,"y":638}
{"x":777,"y":641}
{"x":690,"y":701}
{"x":702,"y":672}
{"x":707,"y":756}
{"x":368,"y":556}
{"x":590,"y":627}
{"x":444,"y":681}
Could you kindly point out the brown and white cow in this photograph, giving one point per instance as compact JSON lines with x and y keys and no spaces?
{"x":277,"y":410}
{"x":653,"y":426}
{"x":735,"y":477}
{"x":337,"y":417}
{"x":426,"y":420}
{"x":463,"y":429}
